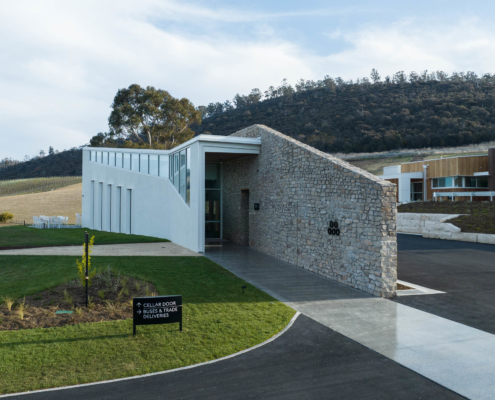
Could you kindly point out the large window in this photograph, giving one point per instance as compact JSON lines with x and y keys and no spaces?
{"x":105,"y":158}
{"x":460,"y":182}
{"x":179,"y":172}
{"x":111,"y":159}
{"x":476,"y":182}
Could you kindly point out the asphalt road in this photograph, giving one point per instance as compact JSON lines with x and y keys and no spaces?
{"x":309,"y":361}
{"x":466,"y":271}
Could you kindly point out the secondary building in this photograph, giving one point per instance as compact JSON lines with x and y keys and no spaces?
{"x":454,"y":178}
{"x":258,"y":188}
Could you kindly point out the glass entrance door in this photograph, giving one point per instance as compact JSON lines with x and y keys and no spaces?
{"x":213,"y":201}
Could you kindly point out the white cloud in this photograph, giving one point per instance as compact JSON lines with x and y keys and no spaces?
{"x":62,"y":62}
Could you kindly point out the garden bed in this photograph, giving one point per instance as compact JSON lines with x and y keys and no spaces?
{"x":480,"y":216}
{"x":110,"y":298}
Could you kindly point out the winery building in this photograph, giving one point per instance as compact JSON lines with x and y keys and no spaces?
{"x":257,"y":188}
{"x":451,"y":178}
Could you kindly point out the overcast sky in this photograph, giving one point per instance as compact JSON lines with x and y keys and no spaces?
{"x":61,"y":62}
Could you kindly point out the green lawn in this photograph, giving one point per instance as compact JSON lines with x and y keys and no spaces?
{"x":219,"y":319}
{"x":14,"y":236}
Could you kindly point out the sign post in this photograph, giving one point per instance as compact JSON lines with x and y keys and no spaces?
{"x":86,"y":244}
{"x":156,"y":310}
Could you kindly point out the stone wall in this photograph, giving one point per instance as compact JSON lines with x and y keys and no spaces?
{"x":300,"y":190}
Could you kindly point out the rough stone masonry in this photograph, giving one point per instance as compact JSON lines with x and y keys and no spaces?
{"x":300,"y":190}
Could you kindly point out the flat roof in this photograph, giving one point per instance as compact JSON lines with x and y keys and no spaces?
{"x":199,"y":138}
{"x":443,"y":158}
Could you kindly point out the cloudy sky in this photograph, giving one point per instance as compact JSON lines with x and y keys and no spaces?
{"x":61,"y":62}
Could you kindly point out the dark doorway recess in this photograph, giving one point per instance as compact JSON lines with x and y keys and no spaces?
{"x":244,"y":226}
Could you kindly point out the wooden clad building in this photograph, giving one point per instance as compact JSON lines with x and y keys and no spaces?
{"x":431,"y":179}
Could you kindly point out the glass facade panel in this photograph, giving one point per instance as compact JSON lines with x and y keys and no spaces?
{"x":212,"y":230}
{"x":470,"y":182}
{"x":171,"y":168}
{"x":127,"y":161}
{"x":111,"y":159}
{"x":416,"y":191}
{"x":176,"y":171}
{"x":482,"y":181}
{"x":118,"y":160}
{"x":212,"y":176}
{"x":449,"y":182}
{"x":135,"y":162}
{"x":93,"y":156}
{"x":188,"y":175}
{"x":98,"y":156}
{"x":153,"y":164}
{"x":182,"y":185}
{"x":212,"y":205}
{"x":163,"y":166}
{"x":143,"y":163}
{"x":458,"y":181}
{"x":105,"y":158}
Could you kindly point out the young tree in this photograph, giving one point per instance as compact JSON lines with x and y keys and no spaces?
{"x":375,"y":76}
{"x":150,"y":118}
{"x":50,"y":151}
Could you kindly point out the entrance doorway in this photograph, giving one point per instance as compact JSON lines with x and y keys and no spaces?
{"x":244,"y":228}
{"x":213,"y":201}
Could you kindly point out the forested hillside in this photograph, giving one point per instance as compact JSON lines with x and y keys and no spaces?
{"x":415,"y":111}
{"x":65,"y":163}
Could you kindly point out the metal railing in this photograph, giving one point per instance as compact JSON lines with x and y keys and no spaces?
{"x":491,"y":195}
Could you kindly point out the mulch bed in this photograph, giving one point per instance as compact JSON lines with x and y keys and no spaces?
{"x":480,"y":218}
{"x":110,"y":299}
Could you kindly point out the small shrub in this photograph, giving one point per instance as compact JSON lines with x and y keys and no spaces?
{"x":101,"y":294}
{"x":22,"y":309}
{"x":78,"y":311}
{"x":147,"y":290}
{"x":91,"y":304}
{"x":67,"y":297}
{"x":6,"y":216}
{"x":8,"y":302}
{"x":137,"y":285}
{"x":81,"y":265}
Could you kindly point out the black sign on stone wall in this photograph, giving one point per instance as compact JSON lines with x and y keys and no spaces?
{"x":333,"y":228}
{"x":156,"y":310}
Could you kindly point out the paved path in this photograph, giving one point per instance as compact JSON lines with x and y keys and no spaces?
{"x":309,"y":361}
{"x":456,"y":356}
{"x":128,"y":249}
{"x":465,"y":271}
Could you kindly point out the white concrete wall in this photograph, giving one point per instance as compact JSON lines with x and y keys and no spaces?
{"x":157,"y":208}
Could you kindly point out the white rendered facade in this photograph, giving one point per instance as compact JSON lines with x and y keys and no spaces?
{"x":394,"y":172}
{"x":124,"y":191}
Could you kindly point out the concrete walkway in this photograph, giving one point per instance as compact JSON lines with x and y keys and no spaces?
{"x":163,"y":249}
{"x":454,"y":355}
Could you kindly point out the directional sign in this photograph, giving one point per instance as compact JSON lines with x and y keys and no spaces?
{"x":156,"y":310}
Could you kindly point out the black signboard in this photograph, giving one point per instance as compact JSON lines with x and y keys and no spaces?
{"x":156,"y":310}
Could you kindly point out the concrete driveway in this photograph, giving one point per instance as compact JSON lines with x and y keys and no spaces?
{"x":465,"y":271}
{"x":309,"y":361}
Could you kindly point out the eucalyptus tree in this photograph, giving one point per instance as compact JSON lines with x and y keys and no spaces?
{"x":149,"y":118}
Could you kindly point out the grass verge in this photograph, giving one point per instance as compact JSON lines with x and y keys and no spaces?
{"x":219,"y":319}
{"x":17,"y":236}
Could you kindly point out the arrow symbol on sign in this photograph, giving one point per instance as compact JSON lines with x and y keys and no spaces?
{"x":139,"y":311}
{"x":138,"y":304}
